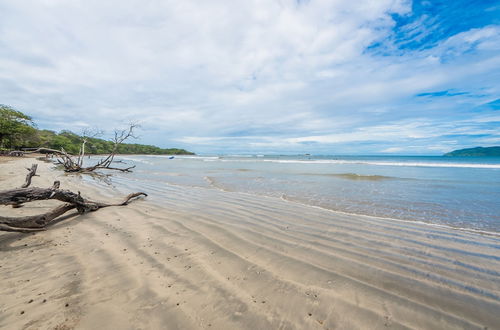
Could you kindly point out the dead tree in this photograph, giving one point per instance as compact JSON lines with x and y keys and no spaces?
{"x":86,"y":135}
{"x":19,"y":196}
{"x":119,"y":138}
{"x":75,"y":164}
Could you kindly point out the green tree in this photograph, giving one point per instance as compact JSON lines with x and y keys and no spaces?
{"x":60,"y":141}
{"x":16,"y":128}
{"x":17,"y":131}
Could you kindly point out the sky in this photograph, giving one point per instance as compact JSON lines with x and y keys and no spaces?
{"x":260,"y":76}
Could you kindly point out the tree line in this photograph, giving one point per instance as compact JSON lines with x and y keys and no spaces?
{"x":18,"y":131}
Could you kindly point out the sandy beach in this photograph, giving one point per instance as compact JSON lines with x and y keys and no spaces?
{"x":206,"y":259}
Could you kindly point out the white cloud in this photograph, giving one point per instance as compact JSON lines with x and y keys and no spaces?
{"x":392,"y":150}
{"x":276,"y":73}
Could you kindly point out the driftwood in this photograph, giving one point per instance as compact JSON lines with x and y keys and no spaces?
{"x":39,"y":222}
{"x":31,"y":173}
{"x":16,"y":153}
{"x":65,"y":159}
{"x":18,"y":196}
{"x":75,"y":163}
{"x":27,"y":182}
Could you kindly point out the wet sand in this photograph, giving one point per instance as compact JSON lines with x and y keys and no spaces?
{"x":189,"y":258}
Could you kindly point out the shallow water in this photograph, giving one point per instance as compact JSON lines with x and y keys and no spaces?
{"x":458,"y":192}
{"x":192,"y":256}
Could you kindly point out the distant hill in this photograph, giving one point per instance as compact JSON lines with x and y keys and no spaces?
{"x":18,"y":131}
{"x":71,"y":142}
{"x":475,"y":152}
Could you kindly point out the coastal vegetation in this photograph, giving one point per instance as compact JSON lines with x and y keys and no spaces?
{"x":475,"y":152}
{"x":18,"y":131}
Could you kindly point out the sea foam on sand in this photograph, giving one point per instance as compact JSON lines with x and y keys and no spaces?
{"x":198,"y":258}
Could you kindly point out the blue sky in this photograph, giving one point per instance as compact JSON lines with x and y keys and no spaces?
{"x":323,"y":77}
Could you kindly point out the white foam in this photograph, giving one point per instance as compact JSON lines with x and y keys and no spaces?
{"x":360,"y":162}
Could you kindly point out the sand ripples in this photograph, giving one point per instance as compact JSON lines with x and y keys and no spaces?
{"x":200,"y":258}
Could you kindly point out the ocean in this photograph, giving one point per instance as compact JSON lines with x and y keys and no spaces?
{"x":443,"y":191}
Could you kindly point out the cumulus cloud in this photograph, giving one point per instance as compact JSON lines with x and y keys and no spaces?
{"x":235,"y":76}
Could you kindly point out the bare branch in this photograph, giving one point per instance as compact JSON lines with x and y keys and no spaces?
{"x":86,"y":135}
{"x":119,"y":138}
{"x":75,"y":164}
{"x":37,"y":222}
{"x":31,"y":173}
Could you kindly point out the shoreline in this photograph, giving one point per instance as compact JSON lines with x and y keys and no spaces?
{"x":341,"y":212}
{"x":462,"y":198}
{"x":211,"y":259}
{"x":417,"y":222}
{"x":373,"y":217}
{"x":367,"y":216}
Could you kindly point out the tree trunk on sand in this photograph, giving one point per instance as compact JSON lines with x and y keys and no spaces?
{"x":18,"y":196}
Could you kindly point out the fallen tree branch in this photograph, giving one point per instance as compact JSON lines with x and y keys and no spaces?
{"x":33,"y":222}
{"x":45,"y":151}
{"x":41,"y":221}
{"x":24,"y":195}
{"x":16,"y":153}
{"x":31,"y":173}
{"x":127,"y":169}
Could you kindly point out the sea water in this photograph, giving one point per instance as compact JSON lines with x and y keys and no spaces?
{"x":451,"y":191}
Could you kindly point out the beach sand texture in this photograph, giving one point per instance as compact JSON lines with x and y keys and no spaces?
{"x":206,"y":259}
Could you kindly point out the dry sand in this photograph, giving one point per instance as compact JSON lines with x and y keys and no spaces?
{"x":198,"y":258}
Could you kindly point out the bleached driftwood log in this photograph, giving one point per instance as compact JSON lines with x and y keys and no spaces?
{"x":18,"y":196}
{"x":31,"y":174}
